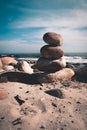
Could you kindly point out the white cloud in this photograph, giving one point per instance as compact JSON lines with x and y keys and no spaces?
{"x":65,"y":18}
{"x":18,"y":46}
{"x":66,"y":22}
{"x":74,"y":40}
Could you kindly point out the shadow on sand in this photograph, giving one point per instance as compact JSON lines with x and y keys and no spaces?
{"x":20,"y":77}
{"x":32,"y":78}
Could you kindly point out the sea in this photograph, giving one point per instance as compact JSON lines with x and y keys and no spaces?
{"x":33,"y":57}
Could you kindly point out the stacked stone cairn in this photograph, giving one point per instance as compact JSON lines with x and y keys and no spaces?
{"x":52,"y":58}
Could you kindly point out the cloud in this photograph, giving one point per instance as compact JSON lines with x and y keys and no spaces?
{"x":74,"y":40}
{"x":18,"y":46}
{"x":68,"y":18}
{"x":68,"y":23}
{"x":71,"y":23}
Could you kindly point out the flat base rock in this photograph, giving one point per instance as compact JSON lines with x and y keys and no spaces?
{"x":63,"y":74}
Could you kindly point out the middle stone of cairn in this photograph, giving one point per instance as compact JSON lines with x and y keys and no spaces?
{"x":52,"y":56}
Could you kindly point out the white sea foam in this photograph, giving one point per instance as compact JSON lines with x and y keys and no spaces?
{"x":69,"y":59}
{"x":29,"y":59}
{"x":75,"y":59}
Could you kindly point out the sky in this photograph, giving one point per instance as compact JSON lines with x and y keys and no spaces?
{"x":24,"y":22}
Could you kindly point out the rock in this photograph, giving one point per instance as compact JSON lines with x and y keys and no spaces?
{"x":63,"y":74}
{"x":81,"y":71}
{"x":56,"y":93}
{"x":81,"y":74}
{"x":1,"y":70}
{"x":53,"y":39}
{"x":8,"y":67}
{"x":20,"y":101}
{"x":0,"y":63}
{"x":49,"y":65}
{"x":3,"y":94}
{"x":53,"y":52}
{"x":26,"y":67}
{"x":8,"y":60}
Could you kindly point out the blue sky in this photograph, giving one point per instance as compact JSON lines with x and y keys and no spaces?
{"x":24,"y":22}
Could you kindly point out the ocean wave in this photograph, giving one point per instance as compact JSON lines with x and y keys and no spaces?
{"x":75,"y":59}
{"x":34,"y":57}
{"x":69,"y":59}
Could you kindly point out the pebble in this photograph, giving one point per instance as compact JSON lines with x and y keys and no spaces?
{"x":55,"y":92}
{"x":3,"y":94}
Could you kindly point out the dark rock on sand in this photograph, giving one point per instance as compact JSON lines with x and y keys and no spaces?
{"x":81,"y":74}
{"x":53,"y":38}
{"x":55,"y":92}
{"x":20,"y":101}
{"x":53,"y":52}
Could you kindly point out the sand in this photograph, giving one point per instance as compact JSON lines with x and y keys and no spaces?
{"x":47,"y":106}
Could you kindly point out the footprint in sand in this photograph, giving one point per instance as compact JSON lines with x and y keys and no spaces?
{"x":41,"y":106}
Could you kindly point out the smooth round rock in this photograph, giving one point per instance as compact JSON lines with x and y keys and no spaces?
{"x":8,"y":60}
{"x":63,"y":74}
{"x":49,"y":65}
{"x":24,"y":66}
{"x":53,"y":52}
{"x":8,"y":67}
{"x":1,"y":70}
{"x":3,"y":94}
{"x":53,"y":38}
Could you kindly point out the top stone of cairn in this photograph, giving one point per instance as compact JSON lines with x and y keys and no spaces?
{"x":53,"y":39}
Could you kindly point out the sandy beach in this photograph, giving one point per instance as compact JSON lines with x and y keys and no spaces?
{"x":49,"y":106}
